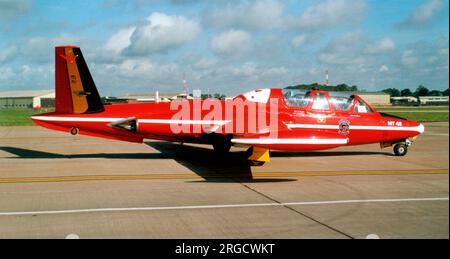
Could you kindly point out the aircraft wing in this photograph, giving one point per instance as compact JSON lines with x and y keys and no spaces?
{"x":293,"y":140}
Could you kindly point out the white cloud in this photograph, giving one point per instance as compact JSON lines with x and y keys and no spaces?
{"x":275,"y":72}
{"x":10,"y":9}
{"x":42,"y":48}
{"x":248,"y":69}
{"x":162,"y":32}
{"x":341,"y":58}
{"x":7,"y":54}
{"x":6,"y":73}
{"x":298,"y":41}
{"x":355,"y":49}
{"x":427,"y":56}
{"x":409,"y":58}
{"x":248,"y":15}
{"x":383,"y":68}
{"x":232,"y":42}
{"x":205,"y":63}
{"x":120,"y":40}
{"x":145,"y":69}
{"x":423,"y":14}
{"x":133,"y":75}
{"x":345,"y":49}
{"x":37,"y":76}
{"x":31,"y":72}
{"x":238,"y":78}
{"x":330,"y":13}
{"x":381,"y":46}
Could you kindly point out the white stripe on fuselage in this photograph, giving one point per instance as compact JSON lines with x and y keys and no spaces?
{"x":304,"y":141}
{"x":75,"y":119}
{"x":202,"y":122}
{"x":419,"y":128}
{"x":154,"y":121}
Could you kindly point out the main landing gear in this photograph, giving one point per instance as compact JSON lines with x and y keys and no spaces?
{"x":256,"y":156}
{"x":222,"y":144}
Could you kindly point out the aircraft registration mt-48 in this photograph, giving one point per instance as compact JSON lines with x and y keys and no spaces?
{"x":305,"y":120}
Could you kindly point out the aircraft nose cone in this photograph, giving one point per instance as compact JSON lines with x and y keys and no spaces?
{"x":421,"y":128}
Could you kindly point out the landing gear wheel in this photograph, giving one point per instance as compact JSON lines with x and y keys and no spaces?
{"x":222,"y":147}
{"x":400,"y":149}
{"x":74,"y":131}
{"x":256,"y":163}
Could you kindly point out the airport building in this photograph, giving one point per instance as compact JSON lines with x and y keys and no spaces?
{"x":157,"y":96}
{"x":375,"y":98}
{"x":404,"y":100}
{"x":433,"y":100}
{"x":35,"y":99}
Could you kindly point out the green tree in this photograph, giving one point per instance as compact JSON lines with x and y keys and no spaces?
{"x":339,"y":87}
{"x":393,"y":92}
{"x":219,"y":96}
{"x":445,"y":92}
{"x":342,"y":87}
{"x":206,"y":96}
{"x":435,"y":93}
{"x":421,"y":91}
{"x":406,"y":92}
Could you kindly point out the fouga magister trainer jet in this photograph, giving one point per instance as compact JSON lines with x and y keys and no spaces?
{"x":262,"y":120}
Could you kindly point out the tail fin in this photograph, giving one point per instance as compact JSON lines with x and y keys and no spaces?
{"x":74,"y":86}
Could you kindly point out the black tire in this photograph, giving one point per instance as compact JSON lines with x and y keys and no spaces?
{"x":222,"y":147}
{"x":74,"y":131}
{"x":400,"y":149}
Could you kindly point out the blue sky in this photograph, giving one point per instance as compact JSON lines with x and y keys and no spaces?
{"x":230,"y":47}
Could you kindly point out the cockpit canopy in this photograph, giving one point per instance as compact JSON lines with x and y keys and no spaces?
{"x":322,"y":100}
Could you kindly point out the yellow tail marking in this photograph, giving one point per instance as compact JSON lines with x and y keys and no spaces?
{"x":80,"y":104}
{"x":260,"y":154}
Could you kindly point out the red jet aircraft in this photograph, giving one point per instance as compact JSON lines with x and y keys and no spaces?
{"x":299,"y":120}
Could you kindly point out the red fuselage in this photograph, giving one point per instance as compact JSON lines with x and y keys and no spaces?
{"x":317,"y":124}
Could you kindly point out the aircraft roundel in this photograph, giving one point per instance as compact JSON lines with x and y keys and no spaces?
{"x":344,"y":126}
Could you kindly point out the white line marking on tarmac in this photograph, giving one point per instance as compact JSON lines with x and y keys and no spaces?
{"x":372,"y":236}
{"x":219,"y":206}
{"x":72,"y":236}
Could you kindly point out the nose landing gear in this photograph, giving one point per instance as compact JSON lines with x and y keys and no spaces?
{"x":400,"y":149}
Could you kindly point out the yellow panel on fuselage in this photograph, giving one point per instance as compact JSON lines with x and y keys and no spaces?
{"x":80,"y":104}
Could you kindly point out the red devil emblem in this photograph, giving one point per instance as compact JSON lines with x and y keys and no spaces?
{"x":70,"y":60}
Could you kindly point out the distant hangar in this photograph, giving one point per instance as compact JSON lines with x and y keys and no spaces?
{"x":35,"y":99}
{"x":46,"y":98}
{"x":38,"y":99}
{"x":375,"y":98}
